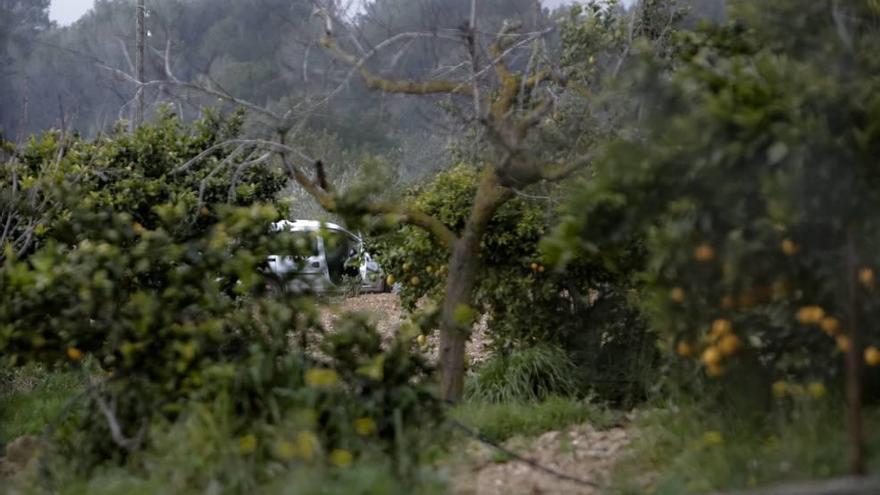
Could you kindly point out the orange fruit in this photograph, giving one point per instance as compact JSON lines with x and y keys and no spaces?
{"x":714,"y":370}
{"x":711,"y":356}
{"x":729,"y":344}
{"x":721,"y":327}
{"x":704,"y":252}
{"x":866,"y":277}
{"x":677,"y":295}
{"x":842,"y":343}
{"x":830,"y":325}
{"x":810,"y":315}
{"x":685,"y":349}
{"x":747,"y":300}
{"x":74,"y":354}
{"x":789,"y":247}
{"x":872,"y":355}
{"x":727,"y":302}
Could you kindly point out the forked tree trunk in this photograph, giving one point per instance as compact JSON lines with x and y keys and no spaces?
{"x":464,"y":266}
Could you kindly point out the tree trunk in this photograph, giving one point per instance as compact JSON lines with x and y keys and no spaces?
{"x":140,"y":36}
{"x":854,"y":359}
{"x":464,"y":266}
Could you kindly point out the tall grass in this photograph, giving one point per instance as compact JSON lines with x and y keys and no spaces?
{"x":30,"y":398}
{"x":498,"y":422}
{"x":528,"y":374}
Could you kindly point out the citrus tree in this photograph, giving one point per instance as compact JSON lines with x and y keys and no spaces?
{"x":145,"y":276}
{"x":584,"y":309}
{"x":754,"y":188}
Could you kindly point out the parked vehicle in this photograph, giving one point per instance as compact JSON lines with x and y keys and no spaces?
{"x":333,"y":256}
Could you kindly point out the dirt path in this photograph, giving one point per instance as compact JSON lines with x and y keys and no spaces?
{"x":580,"y":451}
{"x":388,"y":315}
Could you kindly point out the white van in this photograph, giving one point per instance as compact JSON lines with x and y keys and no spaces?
{"x":333,"y":254}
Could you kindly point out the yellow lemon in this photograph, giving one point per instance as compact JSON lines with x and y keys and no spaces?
{"x":389,"y":280}
{"x":704,"y":252}
{"x":247,"y":444}
{"x":534,"y":267}
{"x":780,"y":388}
{"x":340,"y":457}
{"x":816,"y":390}
{"x":713,"y":438}
{"x":415,"y":281}
{"x":306,"y":444}
{"x":284,"y":450}
{"x":321,"y":377}
{"x":422,"y":340}
{"x":364,"y":426}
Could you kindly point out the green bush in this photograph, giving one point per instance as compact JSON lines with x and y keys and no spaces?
{"x":151,"y":271}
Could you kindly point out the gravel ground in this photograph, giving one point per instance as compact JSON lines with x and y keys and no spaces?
{"x":388,"y":315}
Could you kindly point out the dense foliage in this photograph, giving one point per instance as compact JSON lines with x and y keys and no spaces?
{"x":753,"y":189}
{"x":583,"y":309}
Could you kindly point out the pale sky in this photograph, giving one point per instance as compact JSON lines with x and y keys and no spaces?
{"x":67,"y":11}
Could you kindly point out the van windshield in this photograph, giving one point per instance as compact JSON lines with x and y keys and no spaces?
{"x":306,"y":243}
{"x":338,"y":248}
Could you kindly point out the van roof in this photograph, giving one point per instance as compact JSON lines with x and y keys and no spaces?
{"x":309,"y":226}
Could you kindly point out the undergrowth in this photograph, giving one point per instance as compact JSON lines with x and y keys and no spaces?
{"x":30,"y":398}
{"x":499,"y":421}
{"x":691,"y":449}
